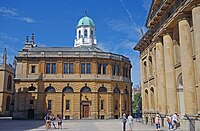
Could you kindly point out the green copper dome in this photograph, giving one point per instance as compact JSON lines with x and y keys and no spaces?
{"x":86,"y":21}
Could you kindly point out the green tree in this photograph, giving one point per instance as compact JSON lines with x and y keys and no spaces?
{"x":137,"y":102}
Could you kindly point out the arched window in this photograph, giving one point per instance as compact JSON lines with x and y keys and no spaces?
{"x":150,"y":66}
{"x":9,"y":85}
{"x":79,"y":34}
{"x":91,"y":34}
{"x":85,"y":89}
{"x":152,"y":97}
{"x":102,"y":89}
{"x":67,"y":89}
{"x":146,"y":100}
{"x":145,"y":70}
{"x":85,"y":34}
{"x":116,"y":90}
{"x":8,"y":103}
{"x":50,"y":89}
{"x":126,"y":91}
{"x":31,"y":88}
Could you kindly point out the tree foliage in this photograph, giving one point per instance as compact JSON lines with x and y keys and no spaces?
{"x":137,"y":102}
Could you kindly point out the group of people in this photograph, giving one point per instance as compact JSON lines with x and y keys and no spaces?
{"x":129,"y":122}
{"x":171,"y":119}
{"x":49,"y":121}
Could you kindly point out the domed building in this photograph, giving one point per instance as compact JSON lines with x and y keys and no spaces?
{"x":82,"y":82}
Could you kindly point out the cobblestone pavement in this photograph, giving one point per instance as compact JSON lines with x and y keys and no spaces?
{"x":70,"y":125}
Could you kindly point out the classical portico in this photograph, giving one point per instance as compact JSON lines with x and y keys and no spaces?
{"x":173,"y":41}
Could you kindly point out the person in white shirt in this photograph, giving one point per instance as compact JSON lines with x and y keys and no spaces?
{"x":174,"y":120}
{"x":130,"y":123}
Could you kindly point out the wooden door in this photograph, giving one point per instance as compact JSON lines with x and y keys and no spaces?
{"x":85,"y":111}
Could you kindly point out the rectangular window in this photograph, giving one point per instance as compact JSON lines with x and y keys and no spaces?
{"x":104,"y":68}
{"x":82,"y":68}
{"x":71,"y":68}
{"x":31,"y":102}
{"x":88,"y":68}
{"x":48,"y":65}
{"x":116,"y":104}
{"x":32,"y":69}
{"x":99,"y":68}
{"x":53,"y":69}
{"x":66,"y":68}
{"x":113,"y":70}
{"x":102,"y":104}
{"x":49,"y":104}
{"x":117,"y":70}
{"x":67,"y":104}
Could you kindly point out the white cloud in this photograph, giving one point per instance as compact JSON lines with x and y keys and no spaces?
{"x":27,"y":19}
{"x":12,"y":13}
{"x":5,"y":37}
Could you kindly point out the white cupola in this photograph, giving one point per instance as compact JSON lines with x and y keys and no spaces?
{"x":85,"y":32}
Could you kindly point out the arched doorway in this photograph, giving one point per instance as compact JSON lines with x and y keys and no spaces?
{"x":85,"y":102}
{"x":102,"y":94}
{"x":181,"y":95}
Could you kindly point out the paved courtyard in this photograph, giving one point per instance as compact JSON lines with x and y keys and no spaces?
{"x":70,"y":125}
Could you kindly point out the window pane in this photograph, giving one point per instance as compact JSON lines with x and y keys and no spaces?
{"x":53,"y":71}
{"x":67,"y":104}
{"x":48,"y":68}
{"x":99,"y":68}
{"x":32,"y":69}
{"x":66,"y":68}
{"x":113,"y":70}
{"x":85,"y":34}
{"x":49,"y":104}
{"x":104,"y":68}
{"x":102,"y":104}
{"x":88,"y":68}
{"x":116,"y":104}
{"x":117,"y":70}
{"x":71,"y":68}
{"x":82,"y":68}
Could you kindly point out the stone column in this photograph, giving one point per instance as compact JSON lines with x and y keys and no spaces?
{"x":142,"y":85}
{"x":155,"y":80}
{"x":170,"y":78}
{"x":187,"y":65}
{"x":196,"y":28}
{"x":161,"y":78}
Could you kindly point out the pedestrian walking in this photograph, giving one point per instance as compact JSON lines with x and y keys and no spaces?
{"x":130,"y":123}
{"x":59,"y":122}
{"x":169,"y":121}
{"x":47,"y":121}
{"x":157,"y":122}
{"x":174,"y":120}
{"x":52,"y":118}
{"x":124,"y":122}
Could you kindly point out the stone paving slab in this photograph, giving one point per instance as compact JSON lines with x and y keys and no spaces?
{"x":71,"y":125}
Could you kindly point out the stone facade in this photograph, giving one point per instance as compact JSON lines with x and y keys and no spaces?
{"x":79,"y":83}
{"x":169,"y":61}
{"x":6,"y":87}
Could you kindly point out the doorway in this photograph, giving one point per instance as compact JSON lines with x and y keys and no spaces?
{"x":85,"y":111}
{"x":30,"y":113}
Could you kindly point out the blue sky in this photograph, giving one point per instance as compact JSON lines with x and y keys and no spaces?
{"x":53,"y":22}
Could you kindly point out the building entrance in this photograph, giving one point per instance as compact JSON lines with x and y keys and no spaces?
{"x":85,"y":111}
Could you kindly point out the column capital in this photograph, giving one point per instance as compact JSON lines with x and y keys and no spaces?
{"x":157,"y":39}
{"x":195,"y":4}
{"x":167,"y":32}
{"x":185,"y":16}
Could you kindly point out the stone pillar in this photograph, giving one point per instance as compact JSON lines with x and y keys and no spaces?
{"x":196,"y":28}
{"x":170,"y":78}
{"x":161,"y":78}
{"x":187,"y":64}
{"x":142,"y":85}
